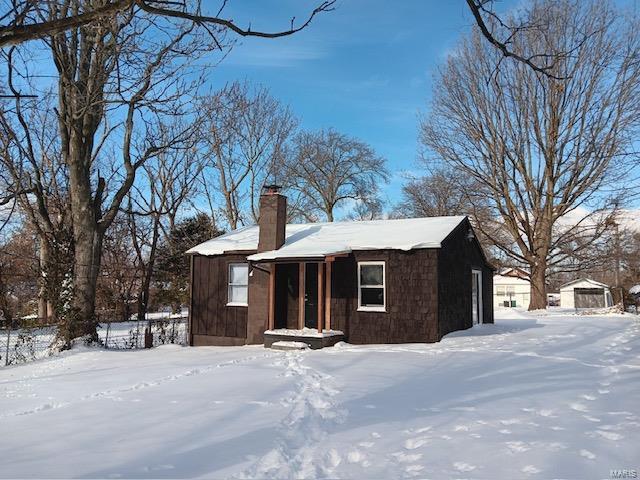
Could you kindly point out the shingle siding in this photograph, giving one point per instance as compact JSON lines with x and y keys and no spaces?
{"x":210,"y":315}
{"x":457,"y":257}
{"x":411,"y":298}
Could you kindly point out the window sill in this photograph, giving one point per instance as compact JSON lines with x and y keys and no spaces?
{"x":233,"y":304}
{"x":372,"y":309}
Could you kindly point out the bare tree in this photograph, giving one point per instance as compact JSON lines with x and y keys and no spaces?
{"x":370,"y":208}
{"x":245,"y":135}
{"x":116,"y":79}
{"x":613,"y":259}
{"x":37,"y":179}
{"x":549,"y":150}
{"x":120,"y":275}
{"x":629,"y":257}
{"x":441,"y":192}
{"x":39,"y":19}
{"x":18,"y":274}
{"x":154,"y":204}
{"x":328,"y":169}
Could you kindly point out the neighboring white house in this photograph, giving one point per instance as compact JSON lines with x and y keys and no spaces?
{"x":585,"y":293}
{"x":511,"y":288}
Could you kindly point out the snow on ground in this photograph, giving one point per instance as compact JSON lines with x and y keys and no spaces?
{"x":534,"y":396}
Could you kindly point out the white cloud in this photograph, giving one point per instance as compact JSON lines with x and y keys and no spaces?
{"x":277,"y":53}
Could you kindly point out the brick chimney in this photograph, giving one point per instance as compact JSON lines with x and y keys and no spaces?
{"x":273,"y":218}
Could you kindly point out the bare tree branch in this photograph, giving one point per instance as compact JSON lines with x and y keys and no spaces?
{"x":17,"y":30}
{"x":478,"y":9}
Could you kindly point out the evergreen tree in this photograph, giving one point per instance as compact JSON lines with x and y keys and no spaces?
{"x":172,"y":266}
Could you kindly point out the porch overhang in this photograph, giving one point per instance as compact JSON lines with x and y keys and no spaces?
{"x":268,"y":263}
{"x":275,"y":256}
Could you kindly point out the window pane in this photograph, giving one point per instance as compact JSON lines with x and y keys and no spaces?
{"x":237,"y":294}
{"x":371,"y":275}
{"x":372,"y":297}
{"x":238,"y":274}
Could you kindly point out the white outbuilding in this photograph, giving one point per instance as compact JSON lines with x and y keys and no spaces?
{"x":511,"y":288}
{"x":585,"y":293}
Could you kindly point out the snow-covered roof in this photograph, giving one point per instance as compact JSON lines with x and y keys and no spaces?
{"x":635,"y":290}
{"x":584,"y":280}
{"x":317,"y":240}
{"x":518,"y":272}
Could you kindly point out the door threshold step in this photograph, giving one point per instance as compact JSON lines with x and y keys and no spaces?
{"x":295,"y":339}
{"x":283,"y":345}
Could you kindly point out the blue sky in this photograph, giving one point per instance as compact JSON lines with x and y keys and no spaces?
{"x":365,"y":68}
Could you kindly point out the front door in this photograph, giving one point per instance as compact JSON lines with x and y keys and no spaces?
{"x":311,"y":295}
{"x":476,"y":296}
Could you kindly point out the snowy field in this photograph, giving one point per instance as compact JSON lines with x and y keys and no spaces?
{"x":544,"y":396}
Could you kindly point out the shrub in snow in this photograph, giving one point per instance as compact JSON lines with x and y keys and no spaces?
{"x":24,"y":350}
{"x":602,"y":311}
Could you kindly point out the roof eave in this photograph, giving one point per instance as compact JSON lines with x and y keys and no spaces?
{"x":218,"y":253}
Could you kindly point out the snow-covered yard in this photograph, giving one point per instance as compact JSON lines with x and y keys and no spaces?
{"x":532,"y":396}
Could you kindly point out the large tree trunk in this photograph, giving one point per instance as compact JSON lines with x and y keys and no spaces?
{"x":88,"y":244}
{"x":329,"y":214}
{"x":86,"y":268}
{"x":538,"y":286}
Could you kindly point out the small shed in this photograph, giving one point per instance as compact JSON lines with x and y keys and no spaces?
{"x":585,"y":293}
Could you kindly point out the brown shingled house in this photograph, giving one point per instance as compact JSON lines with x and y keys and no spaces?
{"x":381,"y":281}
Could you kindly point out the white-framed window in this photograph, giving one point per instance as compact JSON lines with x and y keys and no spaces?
{"x":505,"y":290}
{"x":371,"y":287}
{"x":238,"y":284}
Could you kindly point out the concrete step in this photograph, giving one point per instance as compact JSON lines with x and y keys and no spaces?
{"x":283,"y":345}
